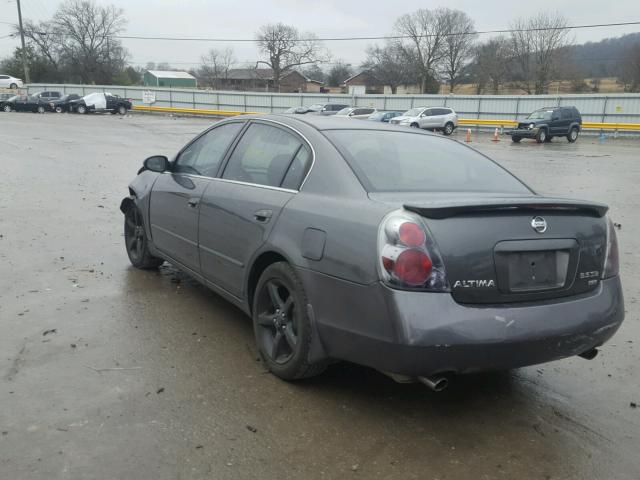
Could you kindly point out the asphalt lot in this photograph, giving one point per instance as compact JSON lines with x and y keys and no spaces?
{"x":110,"y":372}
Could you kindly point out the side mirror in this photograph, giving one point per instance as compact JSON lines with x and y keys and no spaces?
{"x":157,"y":163}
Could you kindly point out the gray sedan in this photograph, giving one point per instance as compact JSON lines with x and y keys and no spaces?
{"x":392,"y":248}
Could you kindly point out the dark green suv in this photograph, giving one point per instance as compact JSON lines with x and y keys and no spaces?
{"x":549,"y":122}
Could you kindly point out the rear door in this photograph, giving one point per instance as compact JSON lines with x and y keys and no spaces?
{"x":175,"y":199}
{"x":239,"y":209}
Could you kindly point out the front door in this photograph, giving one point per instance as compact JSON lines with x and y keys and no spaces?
{"x":239,"y":210}
{"x":175,"y":199}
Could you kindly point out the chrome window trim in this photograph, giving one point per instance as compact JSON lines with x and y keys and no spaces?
{"x":238,"y":182}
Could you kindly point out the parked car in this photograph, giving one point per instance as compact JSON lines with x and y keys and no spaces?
{"x":549,"y":122}
{"x":48,"y":96}
{"x":23,"y":103}
{"x":297,"y":110}
{"x":356,"y":112}
{"x":100,"y":102}
{"x":10,"y":82}
{"x":429,"y":118}
{"x":396,"y":249}
{"x":384,"y":116}
{"x":63,"y":104}
{"x":327,"y":108}
{"x":5,"y":96}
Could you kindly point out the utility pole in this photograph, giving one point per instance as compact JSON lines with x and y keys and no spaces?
{"x":24,"y":50}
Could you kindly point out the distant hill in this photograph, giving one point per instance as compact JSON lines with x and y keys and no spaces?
{"x":603,"y":58}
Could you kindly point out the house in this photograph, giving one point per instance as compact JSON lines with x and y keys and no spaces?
{"x":171,"y":79}
{"x":366,"y":82}
{"x":261,"y":80}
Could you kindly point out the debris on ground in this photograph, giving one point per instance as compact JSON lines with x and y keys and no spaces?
{"x":160,"y":390}
{"x":252,"y":429}
{"x":47,"y":332}
{"x":633,"y":405}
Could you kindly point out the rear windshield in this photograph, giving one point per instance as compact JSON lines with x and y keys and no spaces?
{"x":386,"y":161}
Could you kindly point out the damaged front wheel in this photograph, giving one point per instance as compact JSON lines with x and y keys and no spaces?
{"x":136,"y":243}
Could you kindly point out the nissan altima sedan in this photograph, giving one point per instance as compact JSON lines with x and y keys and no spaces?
{"x":392,"y":248}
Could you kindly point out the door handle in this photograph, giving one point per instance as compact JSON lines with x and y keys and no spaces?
{"x":193,"y":202}
{"x":263,"y":216}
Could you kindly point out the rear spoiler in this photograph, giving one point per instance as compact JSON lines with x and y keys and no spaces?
{"x":446,"y":209}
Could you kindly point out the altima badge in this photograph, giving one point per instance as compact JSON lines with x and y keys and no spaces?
{"x":539,"y":224}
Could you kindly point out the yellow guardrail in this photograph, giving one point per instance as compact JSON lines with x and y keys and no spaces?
{"x":463,"y":121}
{"x":197,"y":111}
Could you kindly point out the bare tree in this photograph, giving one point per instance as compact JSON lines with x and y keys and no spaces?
{"x":215,"y":66}
{"x":458,"y":45}
{"x":536,"y":45}
{"x":630,"y":72}
{"x":390,"y":65}
{"x":426,"y":31}
{"x":338,"y":73}
{"x":286,"y":49}
{"x":491,"y":64}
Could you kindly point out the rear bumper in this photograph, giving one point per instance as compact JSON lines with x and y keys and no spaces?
{"x":414,"y":333}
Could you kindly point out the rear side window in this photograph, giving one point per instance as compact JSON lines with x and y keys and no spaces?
{"x":386,"y":161}
{"x":204,"y":155}
{"x":263,"y":156}
{"x":566,"y":114}
{"x":363,"y":111}
{"x":298,"y":169}
{"x":441,"y":111}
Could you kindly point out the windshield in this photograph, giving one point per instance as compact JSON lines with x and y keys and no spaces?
{"x":377,"y":116}
{"x":386,"y":161}
{"x":540,"y":115}
{"x":414,"y":112}
{"x":344,"y":111}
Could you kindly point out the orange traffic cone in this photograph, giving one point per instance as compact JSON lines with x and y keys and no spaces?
{"x":468,"y":139}
{"x":495,"y":136}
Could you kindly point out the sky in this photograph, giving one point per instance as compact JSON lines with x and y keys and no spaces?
{"x":325,"y":18}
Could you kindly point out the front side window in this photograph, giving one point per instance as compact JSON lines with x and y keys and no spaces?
{"x":203,"y":157}
{"x":387,"y":161}
{"x":263,"y":156}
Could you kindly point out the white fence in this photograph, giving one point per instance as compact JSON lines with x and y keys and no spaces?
{"x":606,"y":108}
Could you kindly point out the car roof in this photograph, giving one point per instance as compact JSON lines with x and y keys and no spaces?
{"x":322,"y":122}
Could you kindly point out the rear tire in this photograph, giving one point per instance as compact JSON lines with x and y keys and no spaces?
{"x":59,"y":109}
{"x":136,"y":243}
{"x":572,"y":136}
{"x":41,"y":109}
{"x":515,"y":139}
{"x":7,"y":108}
{"x":448,"y":128}
{"x":81,"y":109}
{"x":282,"y":326}
{"x":541,"y":137}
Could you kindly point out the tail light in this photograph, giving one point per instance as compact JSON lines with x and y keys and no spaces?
{"x":408,"y":255}
{"x":611,"y":258}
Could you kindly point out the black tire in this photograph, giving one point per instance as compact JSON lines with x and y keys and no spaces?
{"x":281,"y":324}
{"x":515,"y":139}
{"x":448,"y":128}
{"x":40,"y":109}
{"x":541,"y":137}
{"x":58,"y":109}
{"x":13,"y":86}
{"x":572,"y":136}
{"x":7,"y":108}
{"x":548,"y":139}
{"x":81,"y":109}
{"x":122,"y":110}
{"x":415,"y":125}
{"x":135,"y":240}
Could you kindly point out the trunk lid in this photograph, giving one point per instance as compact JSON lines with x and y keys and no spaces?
{"x":499,"y":249}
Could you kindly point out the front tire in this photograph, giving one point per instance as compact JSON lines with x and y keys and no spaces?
{"x":415,"y":125}
{"x":122,"y":110}
{"x":515,"y":139}
{"x":59,"y":109}
{"x":572,"y":136}
{"x":281,"y":324}
{"x":7,"y":108}
{"x":41,"y":109}
{"x":13,"y":86}
{"x":448,"y":128}
{"x":541,"y":137}
{"x":136,"y":242}
{"x":81,"y":109}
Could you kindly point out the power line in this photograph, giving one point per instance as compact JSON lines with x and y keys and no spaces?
{"x":348,"y":39}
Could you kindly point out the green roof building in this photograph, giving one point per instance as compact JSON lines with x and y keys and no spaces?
{"x":170,"y":79}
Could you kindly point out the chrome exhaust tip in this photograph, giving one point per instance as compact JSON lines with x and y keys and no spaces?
{"x":437,"y":384}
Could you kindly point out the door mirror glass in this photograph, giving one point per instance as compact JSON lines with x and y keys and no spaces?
{"x":157,"y":163}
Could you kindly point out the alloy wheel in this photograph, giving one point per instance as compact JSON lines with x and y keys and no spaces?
{"x":134,"y":233}
{"x":277,"y":321}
